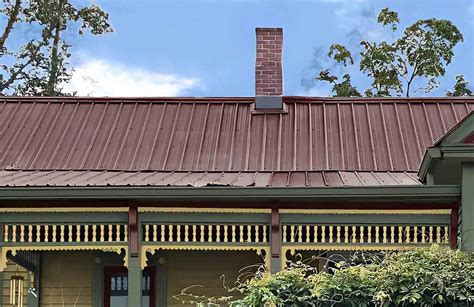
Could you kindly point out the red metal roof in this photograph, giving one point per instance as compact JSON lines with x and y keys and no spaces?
{"x":200,"y":179}
{"x":221,"y":134}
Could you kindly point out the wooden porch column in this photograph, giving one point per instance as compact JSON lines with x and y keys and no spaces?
{"x":134,"y":282}
{"x":134,"y":266}
{"x":275,"y":264}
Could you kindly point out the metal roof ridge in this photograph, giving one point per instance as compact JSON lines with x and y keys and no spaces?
{"x":145,"y":99}
{"x":199,"y":171}
{"x":230,"y":99}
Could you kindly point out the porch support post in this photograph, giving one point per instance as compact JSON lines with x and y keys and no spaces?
{"x":134,"y":265}
{"x":134,"y":282}
{"x":467,"y":207}
{"x":275,"y":264}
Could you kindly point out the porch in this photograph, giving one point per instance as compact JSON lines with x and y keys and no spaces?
{"x":145,"y":256}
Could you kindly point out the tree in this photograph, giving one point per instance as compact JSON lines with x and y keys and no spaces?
{"x":422,"y":52}
{"x":39,"y":64}
{"x":460,"y":88}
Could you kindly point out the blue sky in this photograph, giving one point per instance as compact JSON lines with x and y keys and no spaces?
{"x":207,"y":47}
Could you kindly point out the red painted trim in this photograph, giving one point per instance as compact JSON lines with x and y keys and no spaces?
{"x":453,"y":235}
{"x":276,"y":243}
{"x":469,"y":139}
{"x":110,"y":270}
{"x":133,"y":231}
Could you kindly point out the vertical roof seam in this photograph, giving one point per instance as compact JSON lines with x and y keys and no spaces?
{"x":140,"y":137}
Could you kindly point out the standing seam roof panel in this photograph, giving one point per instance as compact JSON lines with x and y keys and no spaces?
{"x":200,"y":135}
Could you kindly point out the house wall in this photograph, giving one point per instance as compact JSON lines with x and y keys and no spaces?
{"x":13,"y":269}
{"x":187,"y":268}
{"x":66,"y":279}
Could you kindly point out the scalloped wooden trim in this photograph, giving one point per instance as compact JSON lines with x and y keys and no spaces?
{"x":292,"y":249}
{"x":153,"y":248}
{"x":14,"y":249}
{"x":364,"y":211}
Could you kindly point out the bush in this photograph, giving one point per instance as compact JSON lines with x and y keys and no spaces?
{"x":422,"y":277}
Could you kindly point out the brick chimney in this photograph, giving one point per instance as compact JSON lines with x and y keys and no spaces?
{"x":268,"y":68}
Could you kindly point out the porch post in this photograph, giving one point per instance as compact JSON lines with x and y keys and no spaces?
{"x":134,"y":266}
{"x":275,"y":263}
{"x":467,"y":207}
{"x":134,"y":282}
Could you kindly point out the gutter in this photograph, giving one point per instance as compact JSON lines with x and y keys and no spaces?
{"x":412,"y":193}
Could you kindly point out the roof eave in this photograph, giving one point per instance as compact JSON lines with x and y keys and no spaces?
{"x":460,"y":151}
{"x":415,"y":193}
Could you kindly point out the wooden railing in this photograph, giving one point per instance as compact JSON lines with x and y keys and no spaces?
{"x":365,"y":234}
{"x":70,"y":233}
{"x":206,"y":233}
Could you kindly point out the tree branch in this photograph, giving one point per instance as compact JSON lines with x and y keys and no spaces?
{"x":13,"y":76}
{"x":54,"y":55}
{"x":412,"y":77}
{"x":9,"y":26}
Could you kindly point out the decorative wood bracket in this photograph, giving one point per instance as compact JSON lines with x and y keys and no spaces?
{"x":263,"y":251}
{"x":14,"y":249}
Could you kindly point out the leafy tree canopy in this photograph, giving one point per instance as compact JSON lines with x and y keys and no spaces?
{"x":421,"y":53}
{"x":38,"y":64}
{"x":460,"y":88}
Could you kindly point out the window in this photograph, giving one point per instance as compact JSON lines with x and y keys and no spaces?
{"x":116,"y":287}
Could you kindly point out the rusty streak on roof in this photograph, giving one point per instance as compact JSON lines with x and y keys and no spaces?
{"x":201,"y":179}
{"x":221,"y":134}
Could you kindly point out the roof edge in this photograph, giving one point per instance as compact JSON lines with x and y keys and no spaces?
{"x":244,"y":99}
{"x":415,"y":193}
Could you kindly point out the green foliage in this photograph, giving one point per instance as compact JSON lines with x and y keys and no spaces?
{"x":422,"y":52}
{"x":388,"y":17}
{"x":415,"y":278}
{"x":421,"y":277}
{"x":342,"y":89}
{"x":460,"y":88}
{"x":39,"y":65}
{"x":340,"y":54}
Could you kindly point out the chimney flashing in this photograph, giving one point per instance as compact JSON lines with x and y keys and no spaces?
{"x":268,"y":102}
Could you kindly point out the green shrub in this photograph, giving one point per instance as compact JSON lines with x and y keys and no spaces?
{"x":422,"y":277}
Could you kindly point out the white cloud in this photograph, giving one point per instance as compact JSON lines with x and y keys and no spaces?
{"x":98,"y":77}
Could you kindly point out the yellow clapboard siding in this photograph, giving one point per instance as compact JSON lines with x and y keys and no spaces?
{"x":67,"y":299}
{"x":66,"y":278}
{"x":11,"y":270}
{"x":67,"y":291}
{"x":187,"y":268}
